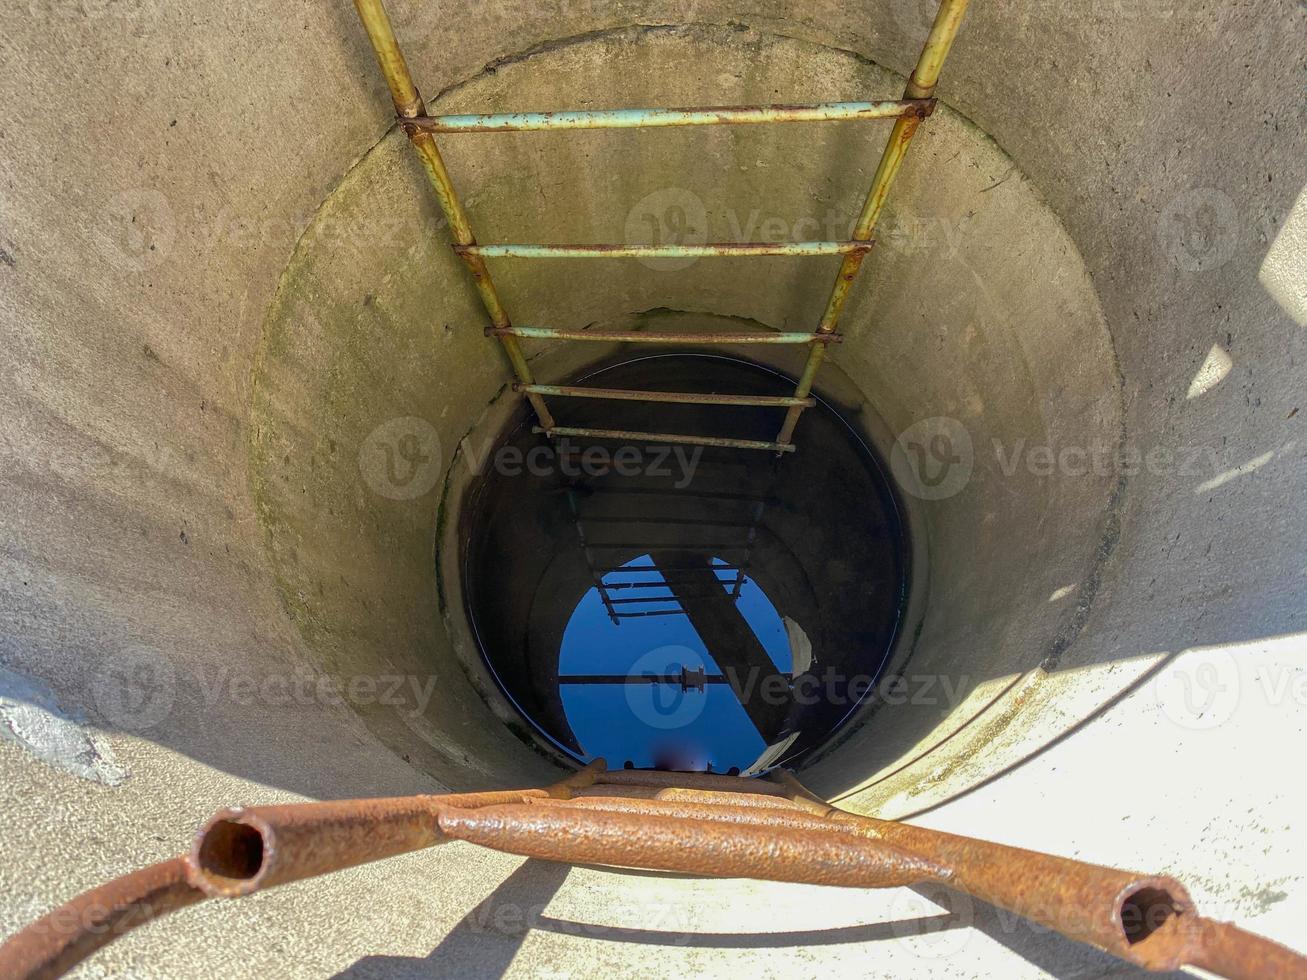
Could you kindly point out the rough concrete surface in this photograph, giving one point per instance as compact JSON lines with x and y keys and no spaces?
{"x":197,"y":560}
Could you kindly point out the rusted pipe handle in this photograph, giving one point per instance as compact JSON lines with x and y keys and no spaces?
{"x":647,"y":820}
{"x":691,"y":846}
{"x":57,"y":942}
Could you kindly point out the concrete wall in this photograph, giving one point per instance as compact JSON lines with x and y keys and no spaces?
{"x":194,"y":385}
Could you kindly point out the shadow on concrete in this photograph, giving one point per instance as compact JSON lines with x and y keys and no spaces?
{"x":485,"y":940}
{"x":844,"y":935}
{"x":1051,"y":952}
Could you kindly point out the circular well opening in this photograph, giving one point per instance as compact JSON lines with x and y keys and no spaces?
{"x":684,"y":607}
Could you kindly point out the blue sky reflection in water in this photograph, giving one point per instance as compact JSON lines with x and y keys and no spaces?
{"x":646,"y":723}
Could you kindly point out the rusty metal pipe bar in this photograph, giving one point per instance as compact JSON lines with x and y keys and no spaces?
{"x":510,"y":122}
{"x":670,"y":438}
{"x":239,"y":851}
{"x":645,"y":337}
{"x":684,"y":492}
{"x":699,"y":793}
{"x":670,"y":568}
{"x":1085,"y":901}
{"x":663,"y":521}
{"x":666,"y":843}
{"x":921,"y":85}
{"x":1228,"y":951}
{"x":55,"y":943}
{"x":1148,"y":920}
{"x":622,"y":545}
{"x":619,"y":586}
{"x":636,"y":679}
{"x":1101,"y":906}
{"x":679,"y":780}
{"x":649,"y":599}
{"x":758,"y":816}
{"x":664,"y":397}
{"x":712,"y":250}
{"x":687,"y":822}
{"x":243,"y":850}
{"x":409,"y":106}
{"x":683,"y":575}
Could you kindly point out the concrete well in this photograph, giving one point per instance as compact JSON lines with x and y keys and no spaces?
{"x":226,"y":292}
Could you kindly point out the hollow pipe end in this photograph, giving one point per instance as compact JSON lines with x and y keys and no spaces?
{"x":231,"y":854}
{"x":1151,"y":914}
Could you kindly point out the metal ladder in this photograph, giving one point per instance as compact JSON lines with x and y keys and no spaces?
{"x":917,"y":103}
{"x":699,"y":824}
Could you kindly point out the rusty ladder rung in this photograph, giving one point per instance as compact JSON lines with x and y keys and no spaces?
{"x":728,"y":567}
{"x":645,"y":546}
{"x":708,"y":250}
{"x":670,"y":438}
{"x":917,"y":103}
{"x":622,"y":586}
{"x":657,"y":337}
{"x":722,"y":825}
{"x":680,"y":521}
{"x":690,"y":823}
{"x":648,"y":600}
{"x":516,"y":122}
{"x":717,"y":495}
{"x":668,"y":397}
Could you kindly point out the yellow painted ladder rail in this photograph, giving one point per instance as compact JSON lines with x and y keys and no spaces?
{"x":917,"y":103}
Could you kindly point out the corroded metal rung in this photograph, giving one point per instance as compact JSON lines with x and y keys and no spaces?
{"x":647,"y":547}
{"x":666,"y":397}
{"x":705,"y":251}
{"x":921,"y":85}
{"x":663,"y":521}
{"x":619,"y":586}
{"x":726,"y":567}
{"x":508,"y":122}
{"x":597,"y":679}
{"x":682,"y":492}
{"x":648,"y":600}
{"x":648,"y":337}
{"x":665,"y":437}
{"x":691,"y":823}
